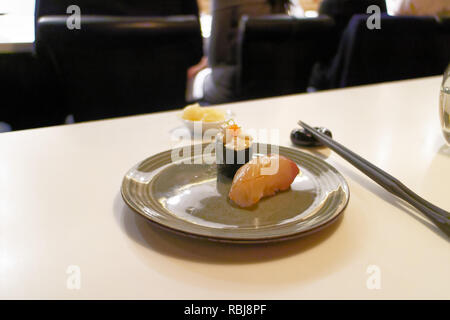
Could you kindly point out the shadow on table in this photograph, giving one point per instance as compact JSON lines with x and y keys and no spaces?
{"x":168,"y":243}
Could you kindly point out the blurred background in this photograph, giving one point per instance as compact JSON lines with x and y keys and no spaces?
{"x":133,"y":56}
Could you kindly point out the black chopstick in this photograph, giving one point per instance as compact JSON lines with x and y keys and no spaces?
{"x":439,"y":217}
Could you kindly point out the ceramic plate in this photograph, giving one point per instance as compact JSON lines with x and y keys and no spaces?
{"x":189,"y":197}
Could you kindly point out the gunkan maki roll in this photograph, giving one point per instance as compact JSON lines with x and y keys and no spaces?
{"x":234,"y":148}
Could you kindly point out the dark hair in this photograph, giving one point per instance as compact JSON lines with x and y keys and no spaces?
{"x":279,"y":6}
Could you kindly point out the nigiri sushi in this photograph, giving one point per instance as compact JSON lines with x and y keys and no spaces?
{"x":261,"y":177}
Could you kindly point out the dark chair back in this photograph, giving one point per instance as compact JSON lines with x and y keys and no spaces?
{"x":118,"y":66}
{"x":276,"y":53}
{"x":118,"y":7}
{"x":135,"y":8}
{"x":129,"y":57}
{"x":404,"y":47}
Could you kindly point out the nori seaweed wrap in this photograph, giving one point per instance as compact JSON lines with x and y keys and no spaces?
{"x":233,"y":149}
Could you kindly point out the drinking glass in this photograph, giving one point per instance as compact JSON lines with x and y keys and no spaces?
{"x":444,"y":105}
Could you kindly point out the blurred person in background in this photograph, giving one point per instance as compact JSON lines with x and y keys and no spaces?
{"x":341,"y":11}
{"x":219,"y":85}
{"x":423,"y":8}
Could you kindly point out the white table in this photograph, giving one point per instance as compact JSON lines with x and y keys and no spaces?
{"x":60,"y":206}
{"x":16,"y":25}
{"x":16,"y":33}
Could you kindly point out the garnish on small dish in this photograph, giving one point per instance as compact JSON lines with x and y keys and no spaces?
{"x":195,"y":112}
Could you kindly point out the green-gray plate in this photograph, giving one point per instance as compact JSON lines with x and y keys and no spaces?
{"x":188,"y":196}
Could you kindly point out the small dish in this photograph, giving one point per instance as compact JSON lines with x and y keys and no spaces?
{"x":203,"y":126}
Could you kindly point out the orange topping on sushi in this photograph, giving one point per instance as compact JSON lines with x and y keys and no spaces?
{"x":234,"y":129}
